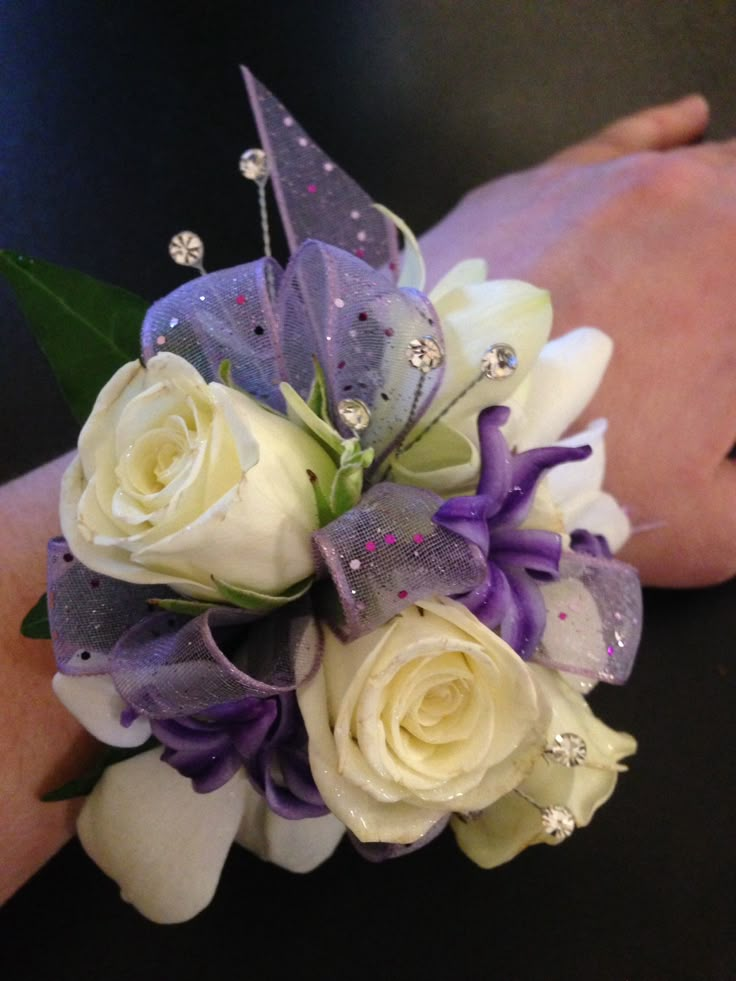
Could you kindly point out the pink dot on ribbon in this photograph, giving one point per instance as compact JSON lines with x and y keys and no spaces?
{"x":360,"y":253}
{"x":389,"y":332}
{"x":160,"y":340}
{"x":312,"y":188}
{"x":562,"y":616}
{"x":392,"y":266}
{"x":418,"y":539}
{"x":389,"y":539}
{"x":362,"y":317}
{"x":355,"y":564}
{"x":288,"y":121}
{"x":611,"y":651}
{"x":355,"y":215}
{"x":328,"y":166}
{"x":370,"y":546}
{"x":339,"y":303}
{"x":340,"y":365}
{"x":303,"y":141}
{"x":240,"y":300}
{"x":402,"y":594}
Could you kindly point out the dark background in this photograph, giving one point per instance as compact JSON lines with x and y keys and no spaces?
{"x":121,"y":124}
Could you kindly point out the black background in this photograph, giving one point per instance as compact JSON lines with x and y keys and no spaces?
{"x":121,"y":124}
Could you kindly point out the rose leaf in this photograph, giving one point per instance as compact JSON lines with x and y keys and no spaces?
{"x":87,"y":329}
{"x":36,"y":621}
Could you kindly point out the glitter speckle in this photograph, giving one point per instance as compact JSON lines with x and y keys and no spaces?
{"x":174,"y":322}
{"x":355,"y":564}
{"x":68,"y":557}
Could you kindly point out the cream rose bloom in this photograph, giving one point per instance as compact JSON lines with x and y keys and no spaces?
{"x":429,"y":714}
{"x":513,"y":823}
{"x":178,"y":481}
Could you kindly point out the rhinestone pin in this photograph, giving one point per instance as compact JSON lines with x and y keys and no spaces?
{"x":254,"y":165}
{"x":499,"y":361}
{"x":425,"y":354}
{"x":567,"y":749}
{"x":355,"y":414}
{"x":186,"y":249}
{"x":558,"y":822}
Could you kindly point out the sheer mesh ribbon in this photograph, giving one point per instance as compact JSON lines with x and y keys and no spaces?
{"x":166,"y":665}
{"x":386,"y":553}
{"x":316,"y":199}
{"x":327,"y":305}
{"x":594,"y":618}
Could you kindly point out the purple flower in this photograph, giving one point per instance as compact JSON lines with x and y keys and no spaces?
{"x":509,"y":598}
{"x":265,"y":735}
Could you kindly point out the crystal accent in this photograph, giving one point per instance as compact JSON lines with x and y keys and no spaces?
{"x":425,"y":354}
{"x":558,"y":822}
{"x":499,"y":361}
{"x":355,"y":414}
{"x":254,"y":165}
{"x":186,"y":249}
{"x":568,"y":749}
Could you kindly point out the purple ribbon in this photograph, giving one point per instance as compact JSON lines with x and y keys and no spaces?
{"x":386,"y":553}
{"x":327,"y":305}
{"x":316,"y":199}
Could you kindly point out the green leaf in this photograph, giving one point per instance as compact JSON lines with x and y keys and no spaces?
{"x":186,"y":607}
{"x":302,"y":415}
{"x":254,"y":602}
{"x":36,"y":621}
{"x":81,"y":786}
{"x":87,"y":329}
{"x":325,"y":513}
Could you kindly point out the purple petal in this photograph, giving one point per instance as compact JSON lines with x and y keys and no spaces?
{"x":490,"y":601}
{"x":495,"y":466}
{"x":248,"y":739}
{"x":177,"y":735}
{"x":282,"y":801}
{"x":527,"y":468}
{"x":523,"y":625}
{"x":218,"y":774}
{"x":537,"y":551}
{"x":586,"y":543}
{"x":467,"y":517}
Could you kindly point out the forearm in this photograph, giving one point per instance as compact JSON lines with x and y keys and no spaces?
{"x":41,"y":744}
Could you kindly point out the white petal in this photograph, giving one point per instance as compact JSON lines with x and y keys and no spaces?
{"x":164,"y":844}
{"x":464,"y":273}
{"x":93,"y":700}
{"x":298,"y":846}
{"x":561,"y":383}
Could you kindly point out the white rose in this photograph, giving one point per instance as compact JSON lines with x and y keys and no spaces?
{"x":513,"y":823}
{"x":431,"y":713}
{"x":178,"y":481}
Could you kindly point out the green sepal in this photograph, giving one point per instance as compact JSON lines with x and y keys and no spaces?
{"x":87,"y":329}
{"x":325,"y":513}
{"x":225,"y":373}
{"x":36,"y":621}
{"x":81,"y":786}
{"x":262,"y":603}
{"x":185,"y":607}
{"x":347,"y":484}
{"x":306,"y":418}
{"x":317,"y":399}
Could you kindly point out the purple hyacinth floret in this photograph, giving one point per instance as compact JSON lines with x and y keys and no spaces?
{"x":586,"y":543}
{"x":509,"y":599}
{"x":265,"y":735}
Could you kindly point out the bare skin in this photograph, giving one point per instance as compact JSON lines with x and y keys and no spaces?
{"x":631,"y":231}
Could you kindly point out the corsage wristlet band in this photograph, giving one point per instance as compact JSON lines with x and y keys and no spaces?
{"x":328,"y":564}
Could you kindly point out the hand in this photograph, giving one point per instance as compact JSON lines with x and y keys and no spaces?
{"x":634,"y":231}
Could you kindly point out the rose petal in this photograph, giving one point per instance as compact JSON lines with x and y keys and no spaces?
{"x":164,"y":844}
{"x":93,"y":701}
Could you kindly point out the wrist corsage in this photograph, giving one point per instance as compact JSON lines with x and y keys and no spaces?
{"x":329,"y":564}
